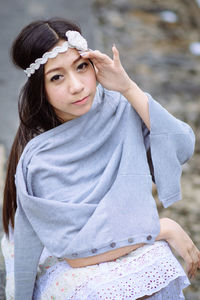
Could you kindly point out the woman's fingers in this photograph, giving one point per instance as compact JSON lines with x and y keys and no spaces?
{"x":101,"y":57}
{"x":95,"y":55}
{"x":116,"y":58}
{"x":192,"y":261}
{"x":199,"y":260}
{"x":196,"y":259}
{"x":109,"y":71}
{"x":189,"y":264}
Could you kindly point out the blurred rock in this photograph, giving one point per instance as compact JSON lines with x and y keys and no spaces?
{"x":169,"y":16}
{"x":191,"y":296}
{"x":2,"y":284}
{"x":195,"y":48}
{"x":198,"y":2}
{"x":115,"y":19}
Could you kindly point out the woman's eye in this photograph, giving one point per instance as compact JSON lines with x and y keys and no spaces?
{"x":56,"y":77}
{"x":82,"y":66}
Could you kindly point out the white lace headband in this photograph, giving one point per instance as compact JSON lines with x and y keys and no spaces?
{"x":75,"y":40}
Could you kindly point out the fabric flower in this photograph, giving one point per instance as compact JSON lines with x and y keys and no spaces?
{"x":76,"y":40}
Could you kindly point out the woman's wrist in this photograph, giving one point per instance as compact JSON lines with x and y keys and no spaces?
{"x":139,"y":101}
{"x":129,"y":89}
{"x":166,"y":228}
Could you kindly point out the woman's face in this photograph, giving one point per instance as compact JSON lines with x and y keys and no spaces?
{"x":69,"y":78}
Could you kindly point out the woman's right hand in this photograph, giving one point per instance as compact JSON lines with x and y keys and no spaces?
{"x":179,"y":240}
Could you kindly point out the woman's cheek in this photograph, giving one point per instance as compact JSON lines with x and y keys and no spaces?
{"x":91,"y":80}
{"x":58,"y":92}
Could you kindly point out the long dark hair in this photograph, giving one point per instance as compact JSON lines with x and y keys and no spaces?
{"x":35,"y":112}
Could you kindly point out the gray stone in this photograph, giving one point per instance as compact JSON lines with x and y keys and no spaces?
{"x":2,"y":285}
{"x":192,"y":296}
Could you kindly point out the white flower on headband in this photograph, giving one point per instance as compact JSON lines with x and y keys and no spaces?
{"x":76,"y":40}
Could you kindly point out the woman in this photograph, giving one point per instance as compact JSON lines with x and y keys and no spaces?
{"x":83,"y":181}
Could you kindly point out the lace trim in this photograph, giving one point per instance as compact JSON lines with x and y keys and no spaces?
{"x":125,"y":290}
{"x":136,"y":284}
{"x":148,"y":269}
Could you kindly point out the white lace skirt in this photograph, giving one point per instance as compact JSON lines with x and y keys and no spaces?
{"x":149,"y":270}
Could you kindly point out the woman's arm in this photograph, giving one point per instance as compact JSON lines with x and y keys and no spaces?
{"x":179,"y":240}
{"x":139,"y":100}
{"x":111,"y":74}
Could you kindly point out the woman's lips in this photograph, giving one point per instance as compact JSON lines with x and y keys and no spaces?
{"x":82,"y":101}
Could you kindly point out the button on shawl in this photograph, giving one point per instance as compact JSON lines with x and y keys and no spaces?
{"x":94,"y":250}
{"x":74,"y":254}
{"x":130,"y":240}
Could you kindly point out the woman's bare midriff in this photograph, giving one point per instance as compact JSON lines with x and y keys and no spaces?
{"x":104,"y":257}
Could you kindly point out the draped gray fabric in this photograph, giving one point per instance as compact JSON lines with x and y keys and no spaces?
{"x":85,"y":187}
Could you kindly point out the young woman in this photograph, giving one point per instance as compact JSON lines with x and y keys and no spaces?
{"x":78,"y":187}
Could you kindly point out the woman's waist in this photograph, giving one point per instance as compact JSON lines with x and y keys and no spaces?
{"x":103,"y":257}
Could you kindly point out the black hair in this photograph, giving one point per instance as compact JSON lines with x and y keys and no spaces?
{"x":35,"y":112}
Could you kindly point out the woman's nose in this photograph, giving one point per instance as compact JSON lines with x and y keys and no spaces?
{"x":75,"y":85}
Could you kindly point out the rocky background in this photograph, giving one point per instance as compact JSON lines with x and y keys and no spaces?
{"x":159,"y":47}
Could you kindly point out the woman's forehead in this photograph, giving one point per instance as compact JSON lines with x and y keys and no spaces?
{"x":66,"y":59}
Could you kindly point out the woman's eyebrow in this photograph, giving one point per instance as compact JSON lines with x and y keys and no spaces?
{"x":59,"y":68}
{"x":53,"y":70}
{"x":77,"y":59}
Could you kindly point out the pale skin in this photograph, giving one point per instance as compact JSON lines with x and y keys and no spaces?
{"x":74,"y":82}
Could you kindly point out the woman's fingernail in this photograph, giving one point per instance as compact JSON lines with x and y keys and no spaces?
{"x":83,"y":53}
